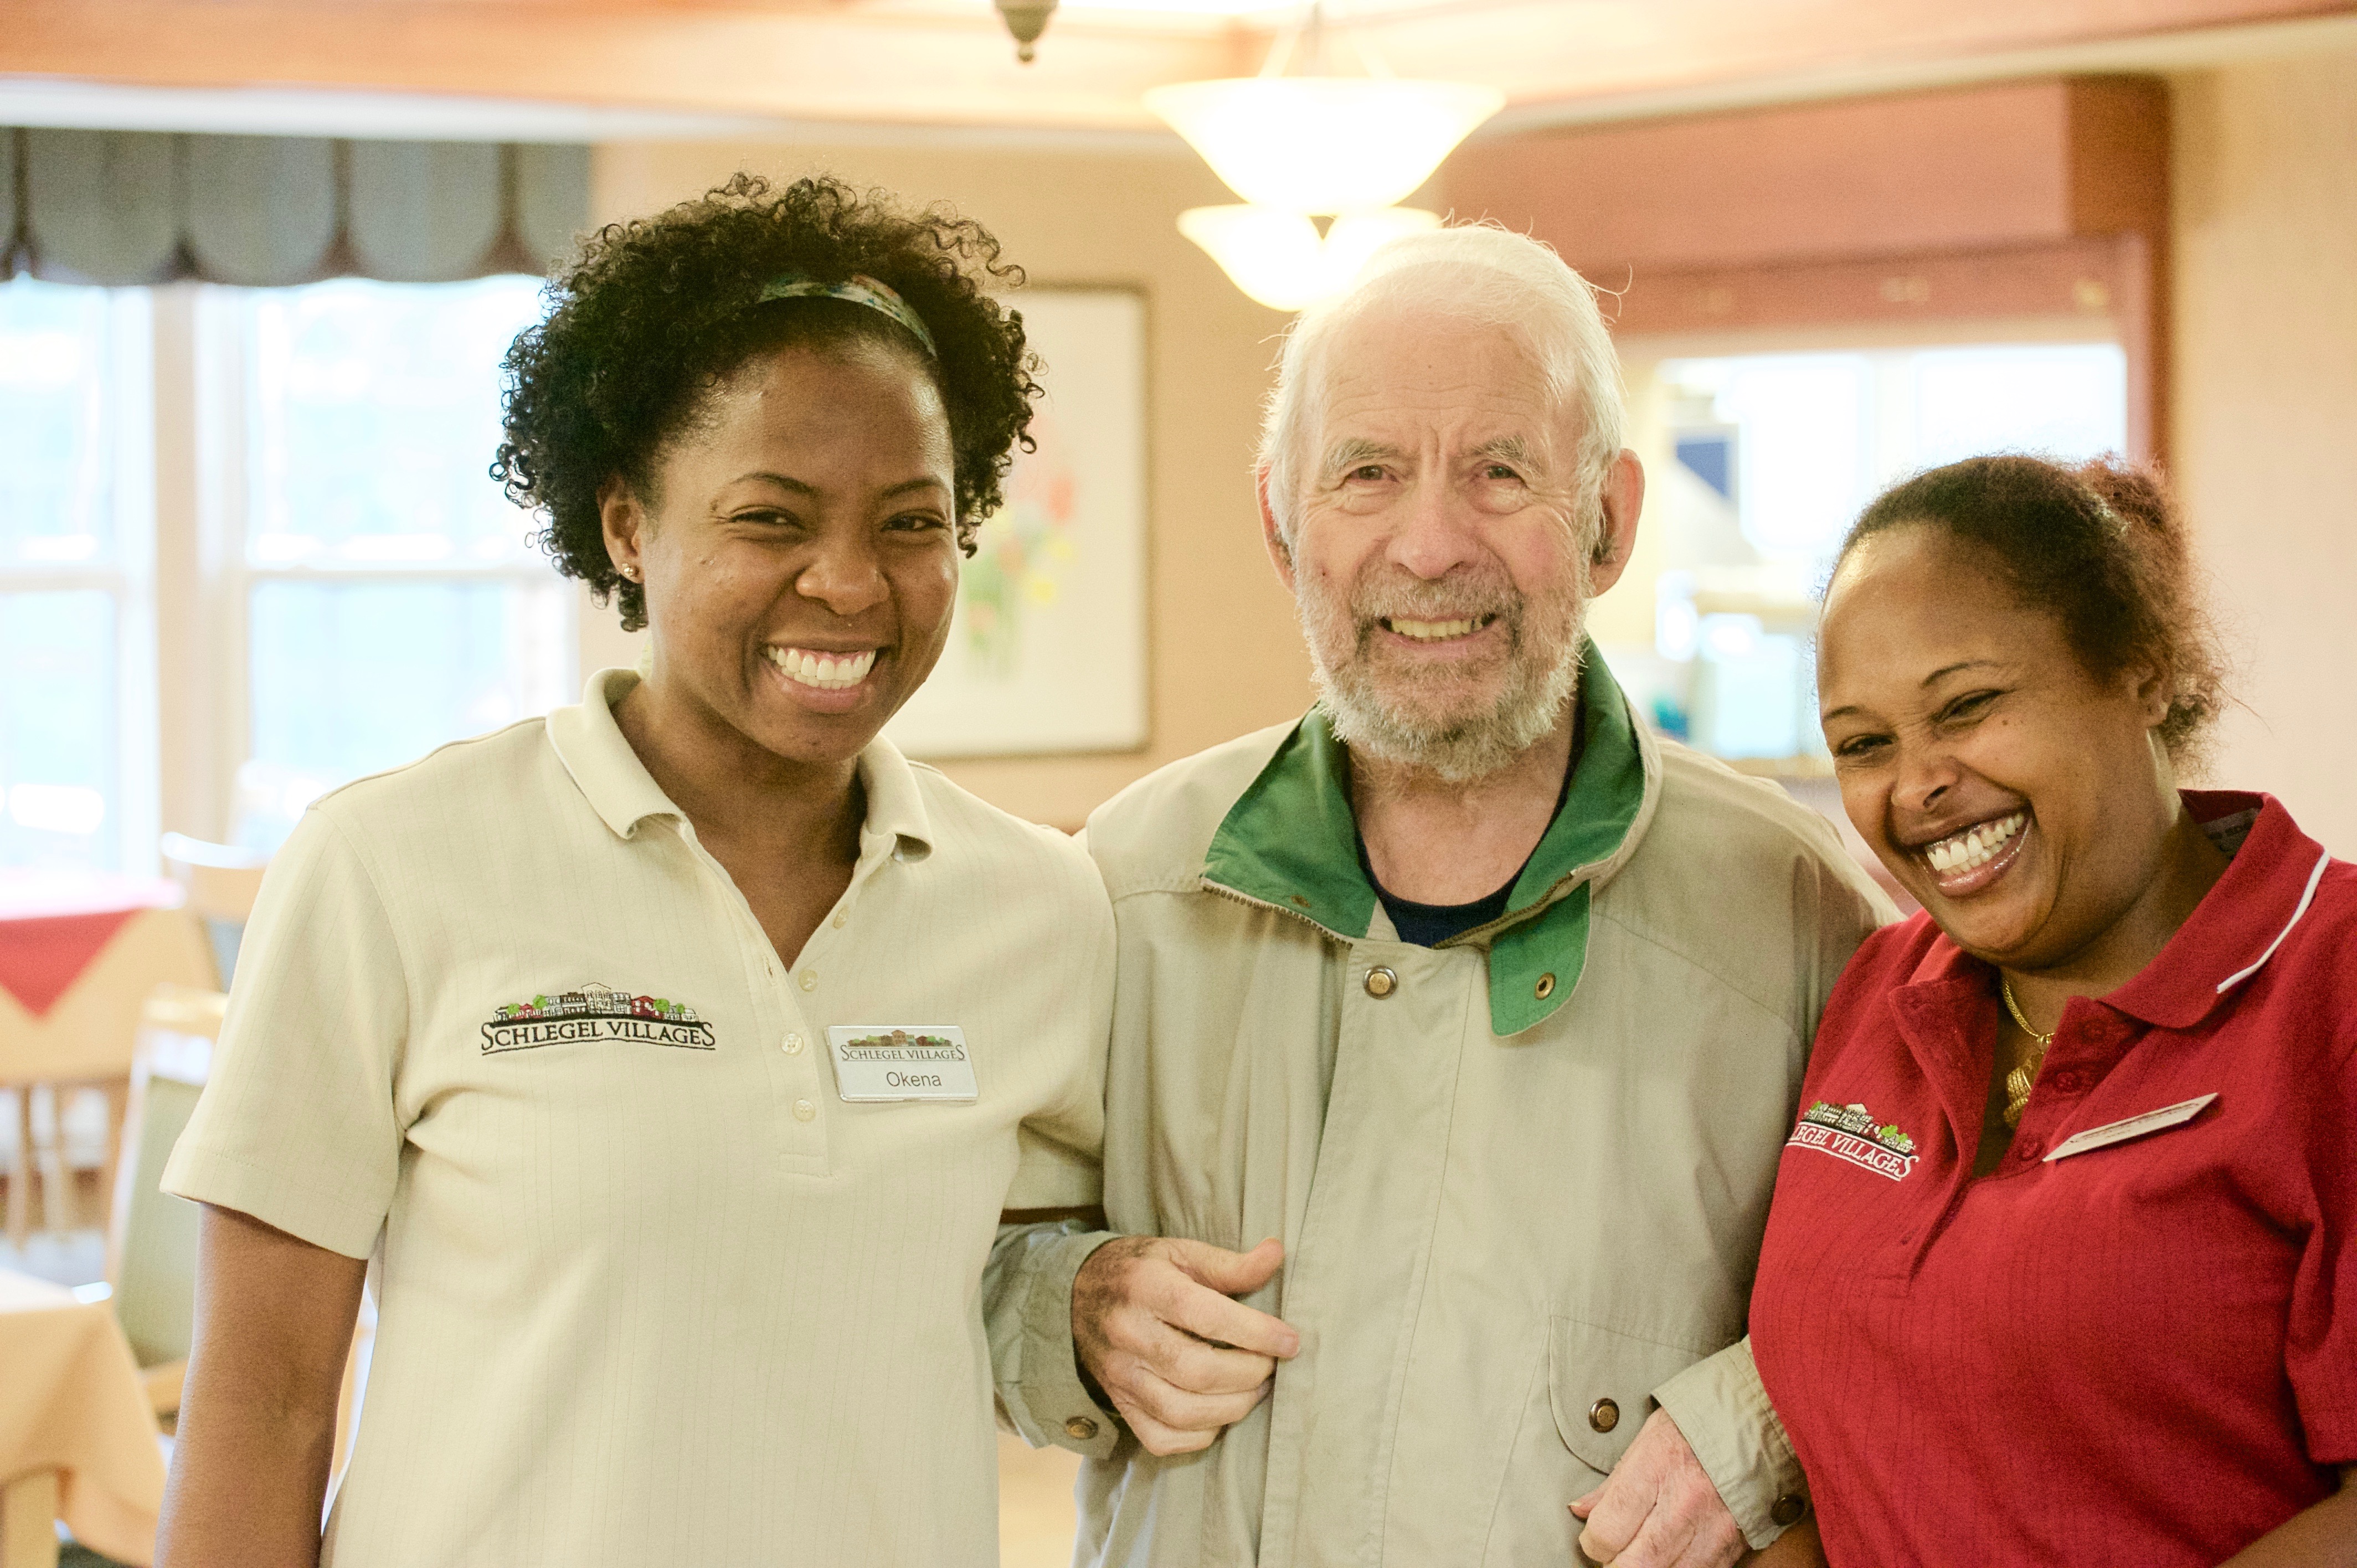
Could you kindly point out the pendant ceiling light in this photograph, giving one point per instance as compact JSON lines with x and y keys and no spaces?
{"x":1299,"y":147}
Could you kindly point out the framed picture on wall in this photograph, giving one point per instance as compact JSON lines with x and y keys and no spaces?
{"x":1047,"y":650}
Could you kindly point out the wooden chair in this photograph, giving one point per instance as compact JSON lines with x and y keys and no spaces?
{"x":151,"y":1242}
{"x":85,"y":1041}
{"x":222,"y":881}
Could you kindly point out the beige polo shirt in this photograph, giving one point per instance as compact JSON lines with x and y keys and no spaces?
{"x":650,"y":1290}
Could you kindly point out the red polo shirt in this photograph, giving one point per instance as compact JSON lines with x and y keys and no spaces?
{"x":2141,"y":1353}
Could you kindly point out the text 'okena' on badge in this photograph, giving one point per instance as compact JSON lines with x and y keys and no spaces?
{"x":900,"y":1061}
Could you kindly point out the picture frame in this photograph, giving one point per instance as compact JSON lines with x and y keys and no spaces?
{"x":1048,"y":647}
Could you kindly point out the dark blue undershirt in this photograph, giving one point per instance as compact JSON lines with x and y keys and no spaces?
{"x":1429,"y":925}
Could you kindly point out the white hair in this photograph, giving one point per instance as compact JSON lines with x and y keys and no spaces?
{"x":1477,"y":272}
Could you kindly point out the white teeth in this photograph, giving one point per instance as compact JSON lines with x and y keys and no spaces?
{"x":829,"y":672}
{"x":1975,"y":846}
{"x":1436,"y":631}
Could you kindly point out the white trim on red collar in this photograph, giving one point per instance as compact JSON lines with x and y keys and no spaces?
{"x":2306,"y":897}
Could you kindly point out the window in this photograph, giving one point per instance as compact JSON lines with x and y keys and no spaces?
{"x":1773,"y":457}
{"x":76,"y":724}
{"x":348,"y":587}
{"x":390,"y":597}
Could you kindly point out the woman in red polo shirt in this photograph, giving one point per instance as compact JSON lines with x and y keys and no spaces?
{"x":2062,"y":1264}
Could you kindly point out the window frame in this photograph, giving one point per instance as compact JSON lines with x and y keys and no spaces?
{"x":222,"y":388}
{"x":129,"y":578}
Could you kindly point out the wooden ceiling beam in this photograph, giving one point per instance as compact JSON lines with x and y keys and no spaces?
{"x":834,"y":65}
{"x":930,"y":62}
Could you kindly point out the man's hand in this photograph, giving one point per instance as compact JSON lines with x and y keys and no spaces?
{"x":1154,"y":1325}
{"x":1658,"y":1508}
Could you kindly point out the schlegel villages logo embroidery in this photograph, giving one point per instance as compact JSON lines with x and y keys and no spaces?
{"x":1850,"y":1132}
{"x":900,"y":1046}
{"x":595,"y":1013}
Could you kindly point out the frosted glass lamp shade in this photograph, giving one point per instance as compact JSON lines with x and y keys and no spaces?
{"x":1277,"y":257}
{"x":1322,"y":143}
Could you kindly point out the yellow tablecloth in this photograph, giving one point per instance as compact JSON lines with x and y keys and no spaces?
{"x":70,"y":1402}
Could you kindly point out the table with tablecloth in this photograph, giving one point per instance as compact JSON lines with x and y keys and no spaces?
{"x":80,"y":954}
{"x":71,"y":1403}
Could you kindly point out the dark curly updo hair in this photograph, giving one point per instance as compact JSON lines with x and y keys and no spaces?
{"x":2098,"y":546}
{"x":654,"y":315}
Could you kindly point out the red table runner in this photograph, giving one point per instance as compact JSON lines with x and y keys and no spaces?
{"x":51,"y":929}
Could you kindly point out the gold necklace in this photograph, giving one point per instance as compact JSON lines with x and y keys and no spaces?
{"x":2018,"y":1081}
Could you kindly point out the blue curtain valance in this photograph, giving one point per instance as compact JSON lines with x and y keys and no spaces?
{"x":132,"y":206}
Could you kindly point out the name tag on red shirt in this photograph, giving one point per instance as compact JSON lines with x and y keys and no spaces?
{"x":2112,"y":1132}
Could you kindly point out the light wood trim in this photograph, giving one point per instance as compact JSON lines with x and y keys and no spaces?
{"x":2028,"y":200}
{"x":948,"y":62}
{"x":2018,"y":164}
{"x":20,"y":1173}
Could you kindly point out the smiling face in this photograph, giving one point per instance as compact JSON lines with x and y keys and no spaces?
{"x":2023,"y":800}
{"x":1441,"y":555}
{"x":798,"y":552}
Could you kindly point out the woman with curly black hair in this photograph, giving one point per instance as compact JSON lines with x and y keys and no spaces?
{"x":673,"y":1057}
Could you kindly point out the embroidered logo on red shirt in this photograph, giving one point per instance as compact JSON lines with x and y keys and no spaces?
{"x":1850,"y":1132}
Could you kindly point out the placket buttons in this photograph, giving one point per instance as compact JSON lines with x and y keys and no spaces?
{"x":804,"y":1110}
{"x":809,"y":980}
{"x":1381,"y":982}
{"x":842,"y":918}
{"x":793,"y":1044}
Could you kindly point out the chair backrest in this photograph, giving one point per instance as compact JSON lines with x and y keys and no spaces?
{"x":151,"y":1242}
{"x":221,"y":879}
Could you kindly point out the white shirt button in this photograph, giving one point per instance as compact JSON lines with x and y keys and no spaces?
{"x":810,"y":980}
{"x":793,"y":1044}
{"x":804,"y":1110}
{"x":842,"y":918}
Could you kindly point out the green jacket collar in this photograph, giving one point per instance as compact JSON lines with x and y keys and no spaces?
{"x":1291,"y":843}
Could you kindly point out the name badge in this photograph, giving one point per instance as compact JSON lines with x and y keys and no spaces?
{"x":2112,"y":1132}
{"x":900,"y":1061}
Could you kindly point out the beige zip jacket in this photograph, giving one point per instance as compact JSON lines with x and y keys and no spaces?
{"x":1520,"y":1178}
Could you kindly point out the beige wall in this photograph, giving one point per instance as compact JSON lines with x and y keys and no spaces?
{"x":2265,"y":415}
{"x":1225,"y":656}
{"x":2266,"y":412}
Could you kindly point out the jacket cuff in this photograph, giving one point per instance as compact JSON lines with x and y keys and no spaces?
{"x":1038,"y":1376}
{"x":1722,"y":1410}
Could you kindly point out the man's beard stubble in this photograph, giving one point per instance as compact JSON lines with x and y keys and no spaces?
{"x":1378,"y":712}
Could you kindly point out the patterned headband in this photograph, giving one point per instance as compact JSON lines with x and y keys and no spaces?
{"x":859,"y":290}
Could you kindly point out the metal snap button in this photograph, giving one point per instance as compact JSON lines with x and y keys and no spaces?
{"x":1381,"y":982}
{"x":1546,"y":987}
{"x":1081,"y":1428}
{"x":1789,"y":1508}
{"x":1604,"y":1414}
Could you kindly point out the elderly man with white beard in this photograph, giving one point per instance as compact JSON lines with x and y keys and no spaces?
{"x":1458,"y":1025}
